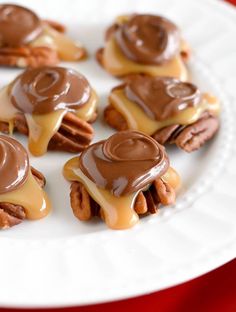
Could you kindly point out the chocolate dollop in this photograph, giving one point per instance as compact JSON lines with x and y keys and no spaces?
{"x":46,"y":89}
{"x":162,"y":98}
{"x":14,"y":164}
{"x":148,"y":39}
{"x":124,"y":163}
{"x":18,"y":25}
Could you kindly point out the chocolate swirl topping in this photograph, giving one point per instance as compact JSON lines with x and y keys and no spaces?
{"x":148,"y":39}
{"x":14,"y":164}
{"x":46,"y":89}
{"x":18,"y":25}
{"x":124,"y":163}
{"x":162,"y":98}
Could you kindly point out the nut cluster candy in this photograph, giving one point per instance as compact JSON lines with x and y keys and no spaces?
{"x":120,"y":178}
{"x":144,"y":44}
{"x":52,"y":105}
{"x":126,"y":175}
{"x":169,"y":110}
{"x":21,"y":194}
{"x":28,"y":41}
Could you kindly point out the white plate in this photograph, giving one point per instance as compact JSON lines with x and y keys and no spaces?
{"x":60,"y":261}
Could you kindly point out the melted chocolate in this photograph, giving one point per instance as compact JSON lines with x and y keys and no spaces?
{"x":18,"y":25}
{"x":46,"y":89}
{"x":148,"y":39}
{"x":124,"y":163}
{"x":162,"y":98}
{"x":14,"y":164}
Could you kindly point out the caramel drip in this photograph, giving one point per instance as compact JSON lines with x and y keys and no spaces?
{"x":41,"y":130}
{"x":67,"y":49}
{"x":118,"y":65}
{"x":7,"y":110}
{"x":172,"y":178}
{"x":42,"y":127}
{"x":86,"y":112}
{"x":138,"y":120}
{"x":118,"y":211}
{"x":30,"y":196}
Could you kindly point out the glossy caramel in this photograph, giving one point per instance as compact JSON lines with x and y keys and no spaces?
{"x":138,"y":120}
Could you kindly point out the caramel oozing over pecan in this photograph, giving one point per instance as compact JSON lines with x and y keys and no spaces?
{"x":88,"y":200}
{"x":169,"y":56}
{"x":134,"y":116}
{"x":28,"y":41}
{"x":44,"y":97}
{"x":113,"y":173}
{"x":66,"y":48}
{"x":21,"y":193}
{"x":118,"y":212}
{"x":30,"y":196}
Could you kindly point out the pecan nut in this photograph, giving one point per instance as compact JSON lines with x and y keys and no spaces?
{"x":191,"y":137}
{"x":27,"y":56}
{"x":39,"y":177}
{"x":163,"y":135}
{"x":115,"y":119}
{"x":74,"y":134}
{"x":11,"y":214}
{"x":141,"y":206}
{"x":149,"y":201}
{"x":152,"y":200}
{"x":83,"y":206}
{"x":164,"y":191}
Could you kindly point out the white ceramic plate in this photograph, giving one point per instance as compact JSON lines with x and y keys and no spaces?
{"x":60,"y":261}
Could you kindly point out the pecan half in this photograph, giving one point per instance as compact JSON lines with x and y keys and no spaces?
{"x":191,"y":137}
{"x":164,"y":191}
{"x":83,"y":206}
{"x":39,"y":177}
{"x":152,"y":200}
{"x":11,"y":214}
{"x":149,"y":201}
{"x":73,"y":136}
{"x":163,"y":135}
{"x":141,"y":206}
{"x":27,"y":56}
{"x":115,"y":119}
